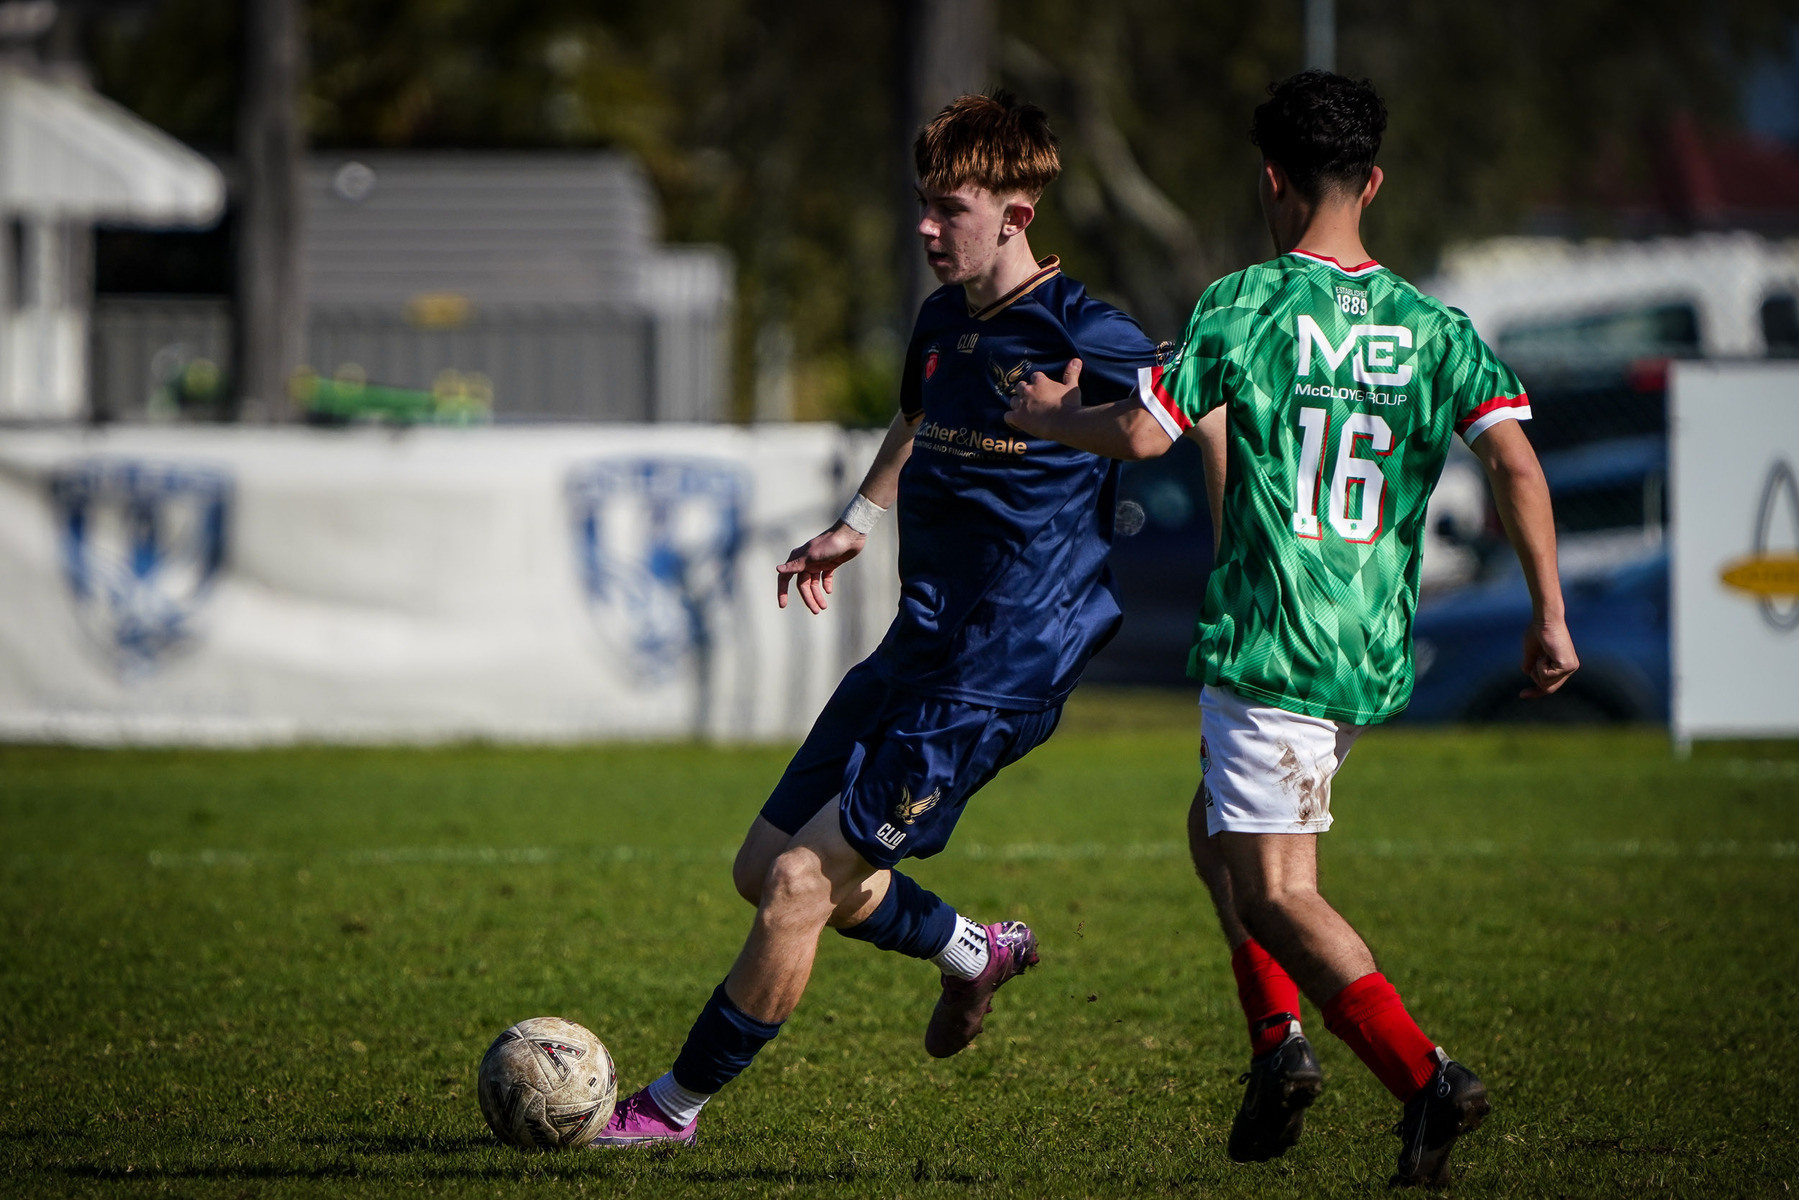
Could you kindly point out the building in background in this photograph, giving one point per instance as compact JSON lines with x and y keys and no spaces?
{"x":534,"y":279}
{"x":70,"y":159}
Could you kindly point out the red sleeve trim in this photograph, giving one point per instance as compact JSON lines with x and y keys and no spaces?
{"x":1521,"y":400}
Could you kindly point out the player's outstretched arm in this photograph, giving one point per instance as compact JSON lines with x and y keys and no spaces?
{"x":1522,"y":497}
{"x":1047,"y":408}
{"x":817,"y":561}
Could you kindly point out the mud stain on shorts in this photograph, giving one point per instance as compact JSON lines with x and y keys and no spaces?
{"x":1310,"y":786}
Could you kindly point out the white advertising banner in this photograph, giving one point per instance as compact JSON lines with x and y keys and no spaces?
{"x":1735,"y":492}
{"x":240,"y":586}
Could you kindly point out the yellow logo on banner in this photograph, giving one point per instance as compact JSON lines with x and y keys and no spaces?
{"x":1772,"y":575}
{"x":1768,"y":575}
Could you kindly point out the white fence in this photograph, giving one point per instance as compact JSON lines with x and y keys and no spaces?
{"x":240,"y":586}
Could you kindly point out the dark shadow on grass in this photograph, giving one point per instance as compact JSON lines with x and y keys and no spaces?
{"x":1614,"y":1145}
{"x":337,"y":1170}
{"x":32,"y":1133}
{"x":595,"y":1166}
{"x":402,"y":1143}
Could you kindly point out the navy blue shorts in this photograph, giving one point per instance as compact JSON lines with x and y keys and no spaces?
{"x":905,"y":765}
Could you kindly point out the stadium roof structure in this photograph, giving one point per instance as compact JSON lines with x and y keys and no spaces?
{"x":67,"y":153}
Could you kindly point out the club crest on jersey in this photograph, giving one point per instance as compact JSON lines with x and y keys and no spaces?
{"x":1006,"y":379}
{"x":909,"y":810}
{"x":142,"y":545}
{"x":930,"y":363}
{"x":656,"y":543}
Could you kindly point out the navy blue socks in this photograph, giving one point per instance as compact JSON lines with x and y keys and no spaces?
{"x":725,"y":1039}
{"x":909,"y":920}
{"x":721,"y":1044}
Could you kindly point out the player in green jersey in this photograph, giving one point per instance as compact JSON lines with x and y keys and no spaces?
{"x":1324,"y":391}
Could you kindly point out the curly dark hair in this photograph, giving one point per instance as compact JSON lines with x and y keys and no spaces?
{"x":1323,"y":129}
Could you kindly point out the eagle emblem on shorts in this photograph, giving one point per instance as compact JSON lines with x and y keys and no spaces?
{"x":909,"y":810}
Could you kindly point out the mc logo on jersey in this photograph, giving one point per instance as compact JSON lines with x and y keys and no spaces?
{"x":1373,"y":351}
{"x":142,"y":545}
{"x":656,"y":543}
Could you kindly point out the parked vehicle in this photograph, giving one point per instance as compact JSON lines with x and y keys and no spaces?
{"x":1611,"y":512}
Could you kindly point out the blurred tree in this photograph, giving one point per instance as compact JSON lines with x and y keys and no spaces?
{"x":770,"y":126}
{"x":1498,"y":110}
{"x":270,"y":309}
{"x":1504,"y":110}
{"x":947,"y":50}
{"x":765,"y":126}
{"x":174,"y":64}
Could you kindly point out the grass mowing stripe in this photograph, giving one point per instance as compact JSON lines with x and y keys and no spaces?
{"x":975,"y":852}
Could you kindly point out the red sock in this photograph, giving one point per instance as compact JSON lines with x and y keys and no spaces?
{"x":1266,"y":993}
{"x":1371,"y":1018}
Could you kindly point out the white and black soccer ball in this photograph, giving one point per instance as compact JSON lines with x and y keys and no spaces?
{"x":547,"y":1084}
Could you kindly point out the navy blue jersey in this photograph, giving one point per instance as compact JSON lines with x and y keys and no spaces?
{"x":1004,"y":589}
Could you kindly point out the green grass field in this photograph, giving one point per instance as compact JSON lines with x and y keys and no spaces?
{"x":273,"y":973}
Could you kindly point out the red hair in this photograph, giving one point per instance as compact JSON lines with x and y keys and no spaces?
{"x":997,"y":142}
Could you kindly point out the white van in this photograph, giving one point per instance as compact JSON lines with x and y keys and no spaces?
{"x":1590,"y":327}
{"x":1545,"y":301}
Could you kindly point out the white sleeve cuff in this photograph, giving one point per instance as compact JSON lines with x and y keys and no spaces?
{"x":1145,"y":394}
{"x":1520,"y":412}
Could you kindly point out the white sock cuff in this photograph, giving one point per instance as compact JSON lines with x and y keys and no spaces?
{"x":966,"y":955}
{"x":676,"y":1102}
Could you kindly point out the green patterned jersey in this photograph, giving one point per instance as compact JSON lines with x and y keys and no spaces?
{"x":1342,"y":388}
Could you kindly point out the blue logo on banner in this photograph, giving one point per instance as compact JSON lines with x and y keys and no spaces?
{"x":656,"y":544}
{"x":142,"y":545}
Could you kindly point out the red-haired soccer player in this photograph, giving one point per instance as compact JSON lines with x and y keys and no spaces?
{"x":1004,"y":597}
{"x":1332,"y":387}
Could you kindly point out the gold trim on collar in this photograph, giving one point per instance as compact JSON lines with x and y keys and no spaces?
{"x":1047,"y":269}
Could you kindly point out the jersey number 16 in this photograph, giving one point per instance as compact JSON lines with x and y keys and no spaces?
{"x":1363,"y":525}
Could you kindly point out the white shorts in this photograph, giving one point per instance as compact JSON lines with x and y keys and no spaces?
{"x":1267,"y":770}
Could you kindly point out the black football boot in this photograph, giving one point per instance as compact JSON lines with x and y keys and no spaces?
{"x":1282,"y":1085}
{"x":1454,"y":1102}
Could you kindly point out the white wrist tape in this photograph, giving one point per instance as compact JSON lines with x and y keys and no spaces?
{"x":862,"y":514}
